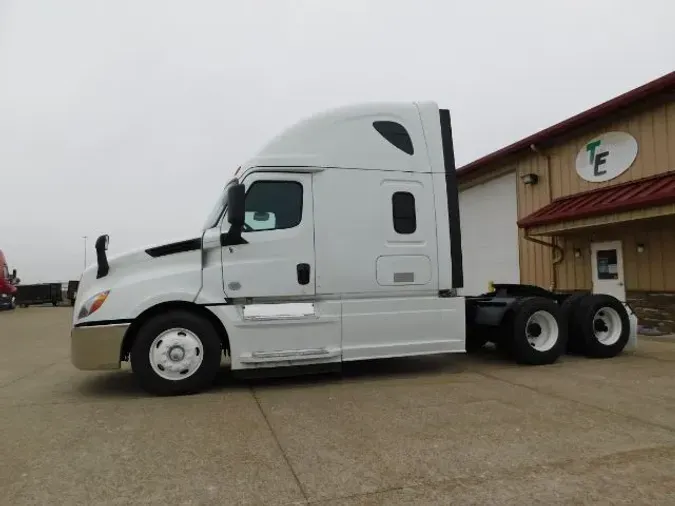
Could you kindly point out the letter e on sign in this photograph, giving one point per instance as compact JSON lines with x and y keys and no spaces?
{"x":606,"y":157}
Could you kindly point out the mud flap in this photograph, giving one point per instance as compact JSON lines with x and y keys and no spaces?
{"x":631,"y":345}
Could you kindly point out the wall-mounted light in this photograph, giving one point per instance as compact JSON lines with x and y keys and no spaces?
{"x":640,"y":248}
{"x":577,"y":253}
{"x":529,"y":178}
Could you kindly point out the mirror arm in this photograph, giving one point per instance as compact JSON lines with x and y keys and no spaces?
{"x":232,"y":237}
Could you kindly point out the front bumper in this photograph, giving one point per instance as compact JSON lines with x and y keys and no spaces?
{"x":7,"y":301}
{"x":98,"y":347}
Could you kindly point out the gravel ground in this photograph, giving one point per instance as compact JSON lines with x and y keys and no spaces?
{"x":445,"y":430}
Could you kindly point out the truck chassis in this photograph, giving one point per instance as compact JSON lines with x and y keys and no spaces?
{"x":535,"y":326}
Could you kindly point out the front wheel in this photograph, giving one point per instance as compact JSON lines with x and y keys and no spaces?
{"x":176,"y":353}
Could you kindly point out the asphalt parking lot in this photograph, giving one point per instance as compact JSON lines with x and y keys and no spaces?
{"x":448,"y":430}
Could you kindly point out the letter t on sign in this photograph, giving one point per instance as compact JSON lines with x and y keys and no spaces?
{"x":590,"y":147}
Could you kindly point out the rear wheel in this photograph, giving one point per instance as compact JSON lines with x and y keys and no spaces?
{"x":175,"y":354}
{"x":539,"y":336}
{"x":605,"y":326}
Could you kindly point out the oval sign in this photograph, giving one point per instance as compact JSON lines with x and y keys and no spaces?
{"x":606,"y":157}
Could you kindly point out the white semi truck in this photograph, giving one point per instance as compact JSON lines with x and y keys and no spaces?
{"x":339,"y":241}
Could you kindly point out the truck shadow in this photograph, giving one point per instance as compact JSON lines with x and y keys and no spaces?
{"x":115,"y":384}
{"x":122,"y":384}
{"x":369,"y":370}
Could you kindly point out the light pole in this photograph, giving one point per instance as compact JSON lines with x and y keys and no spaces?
{"x":85,"y":250}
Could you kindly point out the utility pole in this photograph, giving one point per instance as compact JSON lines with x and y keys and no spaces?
{"x":85,"y":250}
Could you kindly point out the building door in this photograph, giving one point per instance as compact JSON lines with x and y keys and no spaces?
{"x":607,"y":269}
{"x":489,"y":215}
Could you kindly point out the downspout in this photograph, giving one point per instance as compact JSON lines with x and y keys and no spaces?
{"x":558,"y":253}
{"x":555,"y":260}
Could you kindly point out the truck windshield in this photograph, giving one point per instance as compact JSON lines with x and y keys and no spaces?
{"x":217,"y":211}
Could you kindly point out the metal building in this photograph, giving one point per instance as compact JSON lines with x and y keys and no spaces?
{"x":587,"y":204}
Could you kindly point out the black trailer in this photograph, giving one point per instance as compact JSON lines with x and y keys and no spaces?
{"x":71,"y":293}
{"x":40,"y":293}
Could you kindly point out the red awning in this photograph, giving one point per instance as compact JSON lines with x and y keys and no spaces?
{"x":647,"y":192}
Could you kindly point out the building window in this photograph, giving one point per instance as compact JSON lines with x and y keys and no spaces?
{"x":273,"y":205}
{"x":396,"y":134}
{"x":607,"y":263}
{"x":403,"y":210}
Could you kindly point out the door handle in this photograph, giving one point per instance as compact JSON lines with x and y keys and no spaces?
{"x":303,"y":273}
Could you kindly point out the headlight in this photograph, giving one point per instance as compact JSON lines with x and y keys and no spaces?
{"x":92,"y":305}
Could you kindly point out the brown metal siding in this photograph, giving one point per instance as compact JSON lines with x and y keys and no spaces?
{"x":535,"y":259}
{"x":654,"y":131}
{"x":654,"y":270}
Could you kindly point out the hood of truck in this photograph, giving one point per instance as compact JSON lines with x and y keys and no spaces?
{"x":137,"y":277}
{"x":149,"y":253}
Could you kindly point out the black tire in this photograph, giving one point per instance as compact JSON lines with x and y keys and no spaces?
{"x":203,"y":376}
{"x":592,"y":319}
{"x":569,"y":312}
{"x":522,"y":351}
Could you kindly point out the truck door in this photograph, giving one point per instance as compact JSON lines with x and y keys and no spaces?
{"x":271,"y":278}
{"x":277,"y":262}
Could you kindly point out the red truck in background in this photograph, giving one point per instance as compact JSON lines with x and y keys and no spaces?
{"x":8,"y":284}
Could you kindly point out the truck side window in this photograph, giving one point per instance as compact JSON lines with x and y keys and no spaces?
{"x":403,"y":209}
{"x":273,"y":205}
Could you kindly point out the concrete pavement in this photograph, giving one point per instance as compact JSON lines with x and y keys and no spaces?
{"x":446,"y":430}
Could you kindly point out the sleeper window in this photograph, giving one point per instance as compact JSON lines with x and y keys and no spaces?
{"x":403,"y":209}
{"x":396,"y":134}
{"x":273,"y":205}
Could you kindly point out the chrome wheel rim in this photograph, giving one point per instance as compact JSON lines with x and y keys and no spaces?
{"x":542,"y":330}
{"x":607,"y":326}
{"x":176,"y":354}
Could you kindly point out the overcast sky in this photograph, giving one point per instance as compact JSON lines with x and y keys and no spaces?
{"x":127,"y":117}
